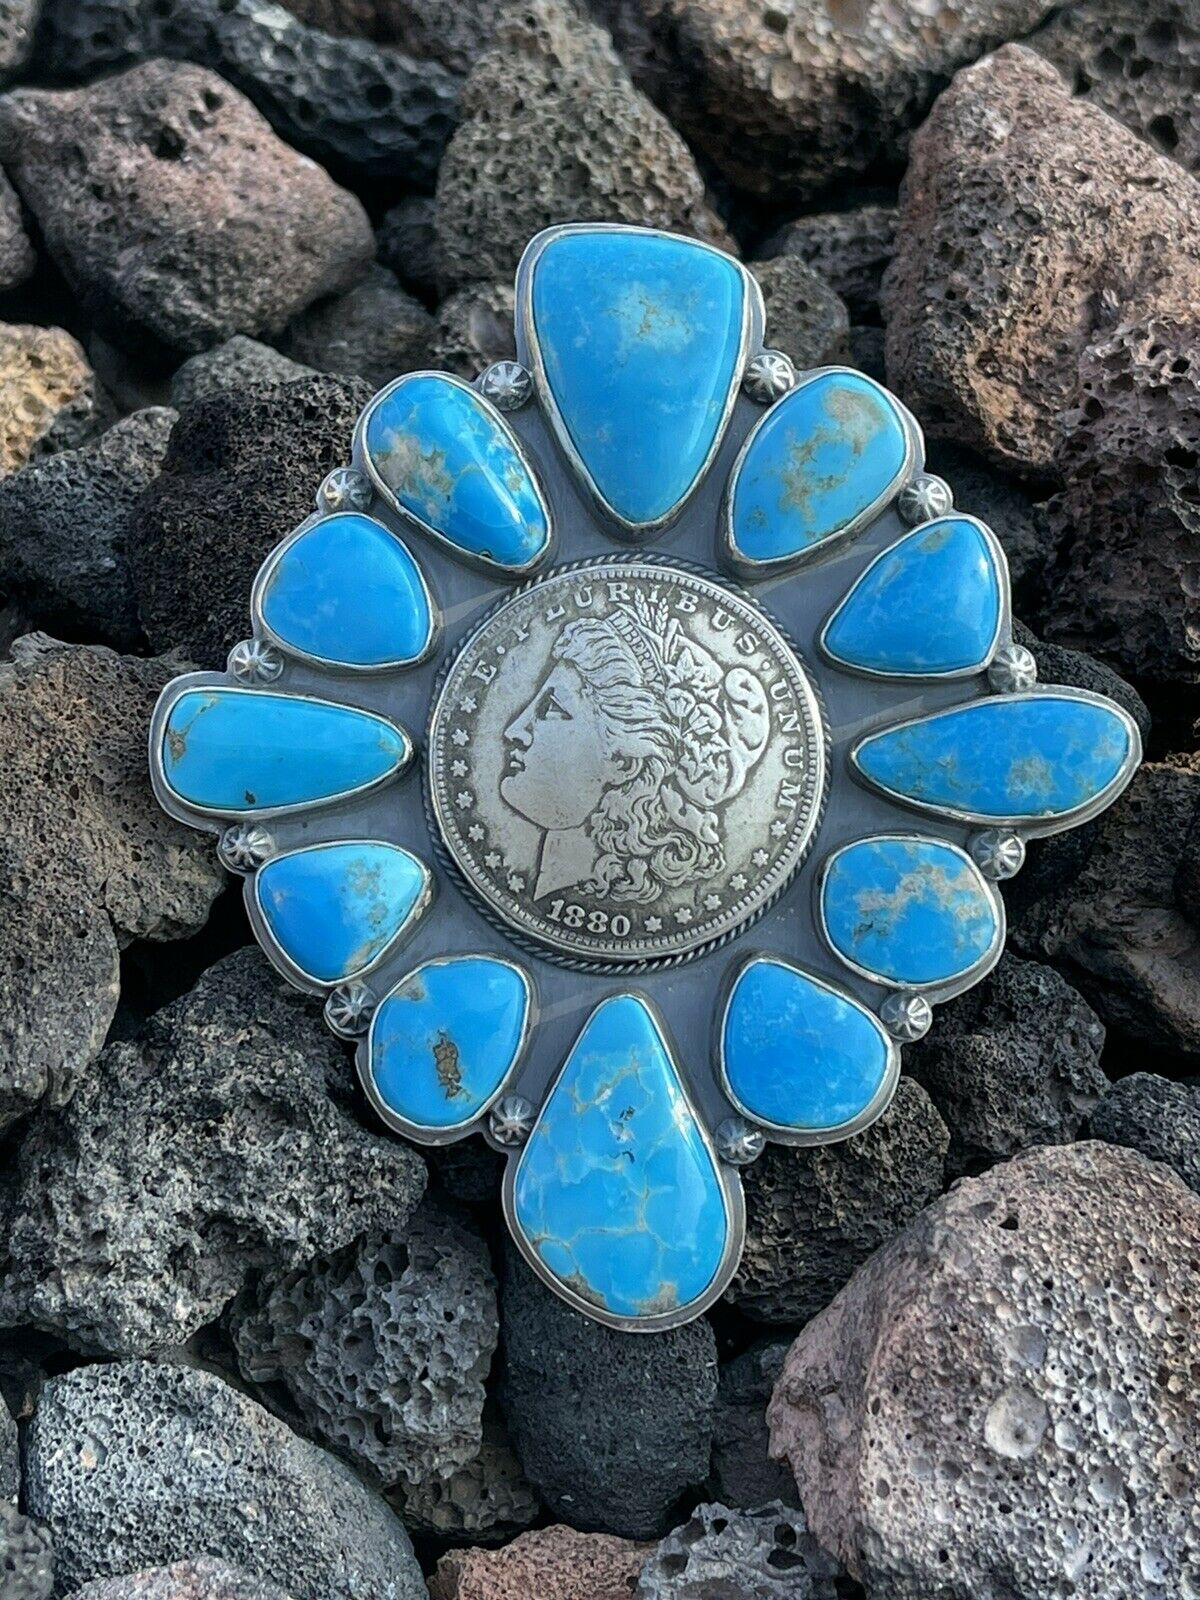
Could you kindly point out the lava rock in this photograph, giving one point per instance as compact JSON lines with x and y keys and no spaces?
{"x":138,"y":1464}
{"x":406,"y":242}
{"x":88,"y":861}
{"x":739,"y":1555}
{"x":26,"y":1558}
{"x":175,"y":214}
{"x":18,"y":22}
{"x":453,"y":32}
{"x":812,"y":1215}
{"x":849,"y":249}
{"x":1029,"y":221}
{"x":474,"y":328}
{"x":217,"y":1147}
{"x":554,"y":130}
{"x":374,"y":331}
{"x":999,"y":1401}
{"x":62,"y":530}
{"x":1155,"y":1116}
{"x":1013,"y":1062}
{"x":867,"y":352}
{"x":205,"y":1578}
{"x":238,"y":364}
{"x":555,"y":1563}
{"x":17,"y":255}
{"x":240,"y":472}
{"x":743,"y":1473}
{"x":610,"y":1430}
{"x":386,"y":1348}
{"x":1139,"y":63}
{"x":805,"y":318}
{"x":10,"y":1456}
{"x":489,"y":1496}
{"x":1000,"y":501}
{"x":49,"y":397}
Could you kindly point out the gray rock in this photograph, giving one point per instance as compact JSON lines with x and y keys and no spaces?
{"x":553,"y":130}
{"x":17,"y":255}
{"x":610,"y":1430}
{"x":62,"y":530}
{"x":216,"y":1147}
{"x":88,"y":861}
{"x":805,"y":318}
{"x":26,"y":1557}
{"x":136,"y":1464}
{"x":205,"y":1578}
{"x":10,"y":1456}
{"x":850,"y":250}
{"x":175,"y":214}
{"x":1012,"y":1063}
{"x":812,"y":1215}
{"x":18,"y":22}
{"x":1156,"y":1116}
{"x":474,"y":328}
{"x":743,"y":1473}
{"x":1000,"y":1401}
{"x":486,"y":1499}
{"x":406,"y":242}
{"x":767,"y":1554}
{"x":374,"y":331}
{"x":385,"y":1349}
{"x":240,"y":363}
{"x":49,"y":397}
{"x":453,"y":32}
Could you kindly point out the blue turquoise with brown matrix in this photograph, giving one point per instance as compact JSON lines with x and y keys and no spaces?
{"x":1023,"y":758}
{"x":445,"y":457}
{"x":616,"y":1190}
{"x":821,"y":457}
{"x":909,"y":911}
{"x":640,"y":337}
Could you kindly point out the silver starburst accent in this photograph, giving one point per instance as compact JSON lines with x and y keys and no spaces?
{"x":739,"y":1142}
{"x":345,"y":489}
{"x":906,"y":1017}
{"x":245,"y":846}
{"x":923,"y":498}
{"x":1013,"y":669}
{"x":349,"y":1009}
{"x":255,"y":661}
{"x":769,"y":376}
{"x":997,"y":852}
{"x":507,"y":384}
{"x":511,"y":1119}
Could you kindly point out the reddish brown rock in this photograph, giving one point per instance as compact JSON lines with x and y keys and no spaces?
{"x":205,"y":1578}
{"x":555,"y":1563}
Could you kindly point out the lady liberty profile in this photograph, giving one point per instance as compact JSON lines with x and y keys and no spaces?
{"x":633,"y":743}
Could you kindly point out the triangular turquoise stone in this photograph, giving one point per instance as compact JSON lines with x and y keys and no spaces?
{"x":617,"y":1195}
{"x":640,"y":343}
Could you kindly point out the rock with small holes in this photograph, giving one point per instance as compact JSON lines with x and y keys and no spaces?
{"x":1001,"y":1400}
{"x":140,"y":1464}
{"x":242,"y":469}
{"x":812,"y":1215}
{"x":766,"y":1554}
{"x":174,"y":213}
{"x":218,"y":1147}
{"x":240,"y":363}
{"x":1011,"y":1063}
{"x":205,"y":1578}
{"x":17,"y":255}
{"x":805,"y":318}
{"x":850,"y":250}
{"x":487,"y":1498}
{"x":26,"y":1557}
{"x":1156,"y":1116}
{"x":743,"y":1473}
{"x":374,"y":331}
{"x":10,"y":1456}
{"x":384,"y":1350}
{"x":49,"y":397}
{"x":1030,"y":225}
{"x":18,"y":23}
{"x":555,"y":1563}
{"x":474,"y":328}
{"x":553,"y":130}
{"x":610,"y":1430}
{"x":453,"y":32}
{"x":406,"y":242}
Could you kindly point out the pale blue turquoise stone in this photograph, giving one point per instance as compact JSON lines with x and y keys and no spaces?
{"x":1028,"y":759}
{"x":910,"y":911}
{"x":820,"y":458}
{"x":616,"y":1190}
{"x":796,"y":1053}
{"x":237,"y":750}
{"x":334,"y":909}
{"x":347,"y":591}
{"x":448,"y":459}
{"x":641,"y":340}
{"x":931,"y":604}
{"x":445,"y":1039}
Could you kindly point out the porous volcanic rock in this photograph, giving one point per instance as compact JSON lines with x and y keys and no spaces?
{"x":49,"y":397}
{"x":1155,"y":1116}
{"x":1001,"y":1400}
{"x":743,"y":1473}
{"x":17,"y":255}
{"x":805,"y":318}
{"x":483,"y":1499}
{"x":241,"y":471}
{"x":406,"y":242}
{"x":474,"y":327}
{"x":374,"y":331}
{"x":766,"y":1554}
{"x":26,"y":1558}
{"x":10,"y":1456}
{"x":453,"y":32}
{"x":240,"y":363}
{"x":610,"y":1430}
{"x":18,"y":22}
{"x":140,"y":1464}
{"x":812,"y":1215}
{"x":850,"y":250}
{"x":1029,"y":223}
{"x":175,"y":214}
{"x":205,"y":1578}
{"x":218,"y":1146}
{"x":554,"y":1563}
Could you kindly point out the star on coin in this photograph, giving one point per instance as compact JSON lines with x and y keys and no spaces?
{"x":653,"y":924}
{"x":460,"y":737}
{"x":459,"y":768}
{"x":738,"y":881}
{"x":468,"y":703}
{"x":475,"y":831}
{"x":712,"y":902}
{"x":464,"y":799}
{"x":778,"y":828}
{"x":491,"y":860}
{"x":760,"y":858}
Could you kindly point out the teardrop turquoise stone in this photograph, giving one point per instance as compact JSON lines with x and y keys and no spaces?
{"x":616,"y":1191}
{"x":798,"y":1054}
{"x":1023,"y":758}
{"x":441,"y":454}
{"x":640,"y":338}
{"x":334,"y":909}
{"x":909,"y":911}
{"x":929,"y":605}
{"x":247,"y":750}
{"x":446,"y":1037}
{"x":822,"y":456}
{"x":348,"y":592}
